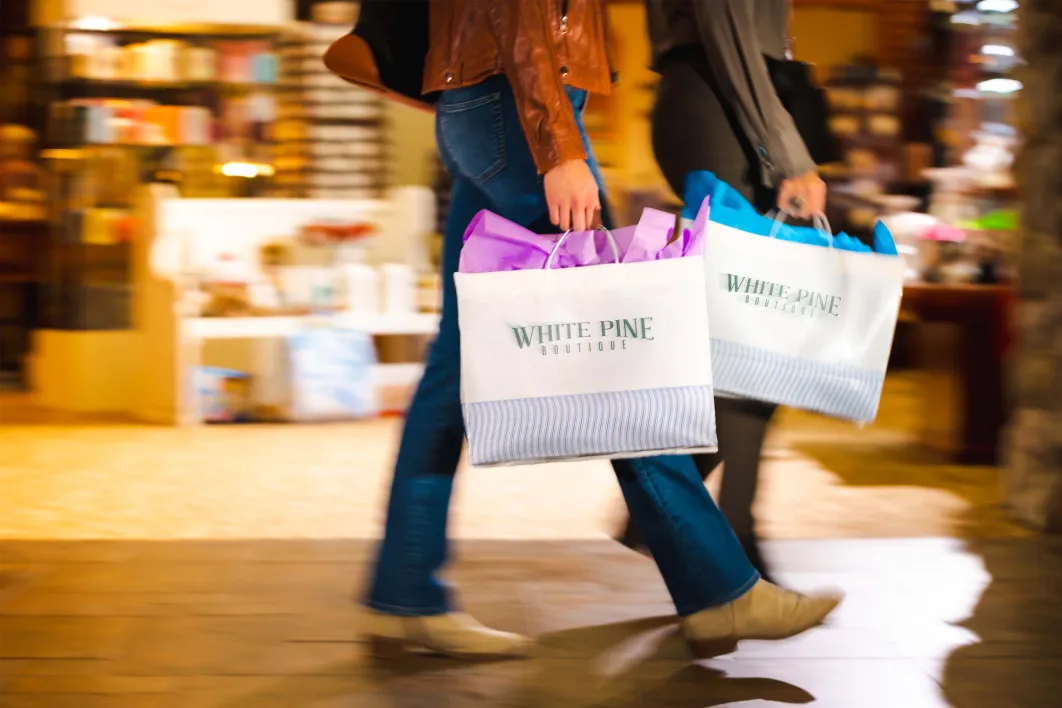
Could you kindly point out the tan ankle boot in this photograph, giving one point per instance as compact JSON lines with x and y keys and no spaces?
{"x":764,"y":612}
{"x":454,"y":634}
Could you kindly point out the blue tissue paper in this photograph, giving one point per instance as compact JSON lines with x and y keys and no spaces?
{"x":729,"y":207}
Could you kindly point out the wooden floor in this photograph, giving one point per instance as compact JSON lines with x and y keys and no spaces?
{"x":64,"y":479}
{"x":217,"y":567}
{"x":263,"y":624}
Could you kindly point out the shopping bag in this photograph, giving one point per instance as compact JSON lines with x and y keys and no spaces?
{"x":701,"y":185}
{"x":803,"y":320}
{"x":583,"y":354}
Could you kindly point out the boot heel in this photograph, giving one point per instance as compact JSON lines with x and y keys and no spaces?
{"x":711,"y":648}
{"x":387,"y":648}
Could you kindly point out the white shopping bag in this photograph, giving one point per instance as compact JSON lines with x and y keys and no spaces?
{"x":601,"y":361}
{"x":800,"y":325}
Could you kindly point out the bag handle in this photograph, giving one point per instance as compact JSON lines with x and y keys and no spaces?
{"x":563,"y":238}
{"x":819,"y":221}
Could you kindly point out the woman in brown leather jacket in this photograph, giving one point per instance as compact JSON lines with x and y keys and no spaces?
{"x":514,"y":78}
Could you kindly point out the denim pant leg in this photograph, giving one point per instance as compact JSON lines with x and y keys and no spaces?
{"x":414,"y":547}
{"x":699,"y":557}
{"x":482,"y":145}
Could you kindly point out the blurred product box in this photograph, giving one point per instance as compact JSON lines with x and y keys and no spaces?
{"x":224,"y":395}
{"x":330,"y":375}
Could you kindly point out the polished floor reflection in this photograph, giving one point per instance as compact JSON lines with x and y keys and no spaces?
{"x":218,"y":583}
{"x":242,"y":624}
{"x":68,"y":479}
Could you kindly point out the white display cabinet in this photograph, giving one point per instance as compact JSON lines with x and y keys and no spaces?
{"x":145,"y":371}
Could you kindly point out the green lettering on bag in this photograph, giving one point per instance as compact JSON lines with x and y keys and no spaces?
{"x":781,"y":297}
{"x":620,"y":330}
{"x":523,"y":337}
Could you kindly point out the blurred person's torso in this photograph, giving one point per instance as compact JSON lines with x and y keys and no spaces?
{"x":469,"y":38}
{"x":672,"y":24}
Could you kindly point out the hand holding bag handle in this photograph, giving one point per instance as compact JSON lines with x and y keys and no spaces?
{"x":564,"y":237}
{"x":819,"y":221}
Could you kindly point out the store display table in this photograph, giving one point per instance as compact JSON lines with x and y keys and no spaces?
{"x":257,"y":327}
{"x":198,"y":330}
{"x":963,"y":336}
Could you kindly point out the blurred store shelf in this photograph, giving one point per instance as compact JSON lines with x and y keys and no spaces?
{"x":261,"y":327}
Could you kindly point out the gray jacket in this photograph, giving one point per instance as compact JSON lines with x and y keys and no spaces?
{"x":735,"y":39}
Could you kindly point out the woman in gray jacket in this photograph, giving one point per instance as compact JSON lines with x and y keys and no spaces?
{"x":717,"y":110}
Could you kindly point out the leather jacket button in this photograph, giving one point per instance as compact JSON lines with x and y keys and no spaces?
{"x":765,"y":159}
{"x":449,"y":76}
{"x":564,"y":71}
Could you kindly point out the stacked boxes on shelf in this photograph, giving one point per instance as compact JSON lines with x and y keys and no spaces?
{"x":334,"y":143}
{"x":865,"y":102}
{"x":292,"y":151}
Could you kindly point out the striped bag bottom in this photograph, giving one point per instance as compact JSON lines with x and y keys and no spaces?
{"x":591,"y":426}
{"x":836,"y":390}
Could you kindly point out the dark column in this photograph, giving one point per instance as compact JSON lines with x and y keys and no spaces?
{"x":1034,"y":474}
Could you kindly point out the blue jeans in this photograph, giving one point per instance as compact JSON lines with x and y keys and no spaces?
{"x":703,"y":565}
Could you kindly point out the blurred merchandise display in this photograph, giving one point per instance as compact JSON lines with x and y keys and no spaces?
{"x":308,"y":284}
{"x":301,"y":309}
{"x":132,"y":88}
{"x":106,"y":105}
{"x":866,"y":109}
{"x":956,"y":163}
{"x":320,"y":268}
{"x":865,"y":103}
{"x":962,"y":253}
{"x":292,"y":151}
{"x":224,"y":395}
{"x":22,"y":188}
{"x":23,"y":204}
{"x":983,"y":57}
{"x":331,"y":135}
{"x":150,"y":133}
{"x":16,"y":68}
{"x":975,"y":195}
{"x":122,"y":106}
{"x":110,"y":57}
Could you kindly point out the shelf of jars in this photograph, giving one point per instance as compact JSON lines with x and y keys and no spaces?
{"x":23,"y":206}
{"x":121,"y":107}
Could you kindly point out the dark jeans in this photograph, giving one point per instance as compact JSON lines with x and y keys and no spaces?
{"x":484,"y":149}
{"x":742,"y":427}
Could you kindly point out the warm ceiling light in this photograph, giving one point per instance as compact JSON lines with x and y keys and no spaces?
{"x":93,"y":23}
{"x":999,"y":86}
{"x":247,"y":170}
{"x":966,"y":18}
{"x":997,"y":50}
{"x":997,"y":5}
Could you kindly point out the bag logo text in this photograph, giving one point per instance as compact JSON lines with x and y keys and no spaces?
{"x":781,"y":297}
{"x":584,"y":337}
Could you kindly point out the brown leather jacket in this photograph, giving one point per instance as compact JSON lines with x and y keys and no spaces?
{"x":540,"y":45}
